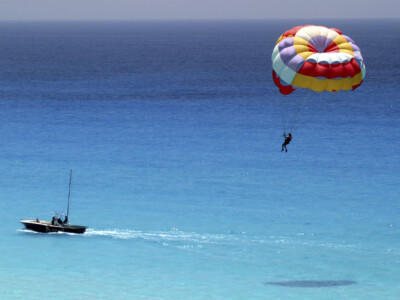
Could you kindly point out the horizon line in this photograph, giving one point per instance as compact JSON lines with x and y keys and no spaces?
{"x":198,"y":19}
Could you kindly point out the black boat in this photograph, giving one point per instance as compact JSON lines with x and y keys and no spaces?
{"x":44,"y":226}
{"x":56,"y":224}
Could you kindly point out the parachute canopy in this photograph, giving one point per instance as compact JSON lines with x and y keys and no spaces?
{"x":317,"y":58}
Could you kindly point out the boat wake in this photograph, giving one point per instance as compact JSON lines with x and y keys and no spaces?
{"x":57,"y":233}
{"x":48,"y":233}
{"x":185,"y":240}
{"x":173,"y":236}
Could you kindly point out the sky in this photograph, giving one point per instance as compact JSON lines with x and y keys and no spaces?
{"x":195,"y":9}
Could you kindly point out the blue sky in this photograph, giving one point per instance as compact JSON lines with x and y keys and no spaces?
{"x":195,"y":9}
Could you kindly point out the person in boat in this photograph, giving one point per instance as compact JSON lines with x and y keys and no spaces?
{"x":288,"y":138}
{"x":65,"y":220}
{"x":56,"y":221}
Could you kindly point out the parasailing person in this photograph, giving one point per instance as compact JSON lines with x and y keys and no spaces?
{"x":315,"y":59}
{"x":287,"y":141}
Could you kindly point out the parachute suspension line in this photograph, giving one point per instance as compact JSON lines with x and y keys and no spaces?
{"x":283,"y":115}
{"x":320,"y":109}
{"x":299,"y":108}
{"x":307,"y":120}
{"x":290,"y":110}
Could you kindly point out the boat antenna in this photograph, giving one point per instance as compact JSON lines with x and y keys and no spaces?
{"x":69,"y":192}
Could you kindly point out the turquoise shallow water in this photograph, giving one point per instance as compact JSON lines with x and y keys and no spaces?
{"x":173,"y":134}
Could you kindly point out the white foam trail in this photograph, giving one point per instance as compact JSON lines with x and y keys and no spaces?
{"x":191,"y":240}
{"x":28,"y":231}
{"x":47,"y":233}
{"x":171,"y":236}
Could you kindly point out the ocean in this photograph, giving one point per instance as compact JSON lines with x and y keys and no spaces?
{"x":173,"y":132}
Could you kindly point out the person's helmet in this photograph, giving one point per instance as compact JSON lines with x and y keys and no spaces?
{"x":290,"y":134}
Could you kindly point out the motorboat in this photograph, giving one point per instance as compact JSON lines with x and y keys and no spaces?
{"x":44,"y":226}
{"x":56,"y":224}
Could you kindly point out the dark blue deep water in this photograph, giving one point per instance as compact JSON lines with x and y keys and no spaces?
{"x":173,"y":131}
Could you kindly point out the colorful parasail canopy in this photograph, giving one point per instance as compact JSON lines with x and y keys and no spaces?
{"x":317,"y":58}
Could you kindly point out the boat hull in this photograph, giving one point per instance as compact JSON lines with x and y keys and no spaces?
{"x":46,"y":227}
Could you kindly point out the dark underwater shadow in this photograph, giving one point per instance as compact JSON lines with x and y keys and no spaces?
{"x":312,"y":283}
